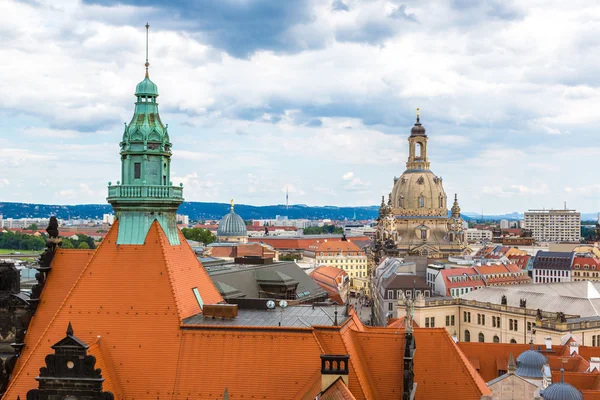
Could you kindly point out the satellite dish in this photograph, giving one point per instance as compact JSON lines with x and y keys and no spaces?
{"x":270,"y":304}
{"x":283,"y":304}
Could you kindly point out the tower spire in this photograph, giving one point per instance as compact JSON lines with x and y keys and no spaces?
{"x":147,"y":63}
{"x":231,"y":202}
{"x":418,"y":113}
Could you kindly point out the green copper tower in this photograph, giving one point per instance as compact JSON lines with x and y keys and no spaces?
{"x":145,"y":192}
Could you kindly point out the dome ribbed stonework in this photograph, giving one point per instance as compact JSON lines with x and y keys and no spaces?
{"x":415,"y":220}
{"x":419,"y":193}
{"x":232,"y":225}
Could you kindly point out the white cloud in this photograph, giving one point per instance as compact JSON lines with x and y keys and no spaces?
{"x":504,"y":135}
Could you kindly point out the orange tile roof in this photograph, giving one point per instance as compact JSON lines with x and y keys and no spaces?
{"x":134,"y":298}
{"x":336,"y":246}
{"x":111,"y":380}
{"x":487,"y":355}
{"x":122,"y":290}
{"x":459,"y":377}
{"x":328,"y":278}
{"x":337,"y":391}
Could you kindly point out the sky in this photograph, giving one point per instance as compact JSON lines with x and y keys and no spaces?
{"x":316,"y":96}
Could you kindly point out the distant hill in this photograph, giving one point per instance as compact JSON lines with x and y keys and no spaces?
{"x":195,"y":210}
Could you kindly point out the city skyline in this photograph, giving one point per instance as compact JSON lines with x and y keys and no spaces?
{"x":503,"y":133}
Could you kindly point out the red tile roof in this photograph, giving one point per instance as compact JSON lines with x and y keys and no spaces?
{"x":329,"y":278}
{"x":337,"y":391}
{"x":134,"y":298}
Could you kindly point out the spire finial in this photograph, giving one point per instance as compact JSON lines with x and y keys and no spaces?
{"x":562,"y":375}
{"x":455,"y":197}
{"x":70,"y":329}
{"x":231,"y":202}
{"x":418,"y":114}
{"x":147,"y":63}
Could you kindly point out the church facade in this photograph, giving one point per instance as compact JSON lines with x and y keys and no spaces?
{"x":415,"y":219}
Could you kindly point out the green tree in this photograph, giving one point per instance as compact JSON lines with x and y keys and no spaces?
{"x":199,"y":235}
{"x":32,"y":227}
{"x":83,"y":245}
{"x":67,"y":244}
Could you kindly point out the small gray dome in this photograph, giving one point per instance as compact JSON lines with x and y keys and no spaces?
{"x":530,"y":364}
{"x":232,"y":225}
{"x":561,"y":391}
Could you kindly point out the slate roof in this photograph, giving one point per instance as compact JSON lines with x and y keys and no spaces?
{"x":244,"y":278}
{"x":574,"y":298}
{"x":554,"y":260}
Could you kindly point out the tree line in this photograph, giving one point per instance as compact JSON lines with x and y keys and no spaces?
{"x":20,"y":241}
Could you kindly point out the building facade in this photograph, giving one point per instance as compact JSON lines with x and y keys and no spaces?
{"x":415,"y":219}
{"x":478,"y":235}
{"x":517,"y":314}
{"x":554,"y":225}
{"x":345,"y":255}
{"x":552,"y":266}
{"x":394,"y":280}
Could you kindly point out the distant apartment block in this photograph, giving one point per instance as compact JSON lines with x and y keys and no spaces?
{"x":478,"y":235}
{"x":554,"y":225}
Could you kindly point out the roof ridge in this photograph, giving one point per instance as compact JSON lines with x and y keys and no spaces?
{"x":26,"y":361}
{"x":359,"y":376}
{"x":484,"y":389}
{"x":112,"y":374}
{"x":169,"y":274}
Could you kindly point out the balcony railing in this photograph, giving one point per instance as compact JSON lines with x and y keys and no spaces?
{"x":145,"y":191}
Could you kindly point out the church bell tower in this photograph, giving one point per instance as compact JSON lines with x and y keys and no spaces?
{"x":145,"y":192}
{"x":417,"y":147}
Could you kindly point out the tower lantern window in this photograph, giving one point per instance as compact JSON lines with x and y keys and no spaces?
{"x":137,"y":170}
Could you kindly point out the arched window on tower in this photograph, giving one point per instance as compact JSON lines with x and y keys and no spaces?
{"x":421,"y":202}
{"x":423,"y":234}
{"x":418,"y":150}
{"x":401,"y":201}
{"x":441,"y":201}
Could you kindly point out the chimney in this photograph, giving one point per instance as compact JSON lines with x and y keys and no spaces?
{"x":548,"y":341}
{"x":573,"y":348}
{"x":594,"y":364}
{"x":333,"y":366}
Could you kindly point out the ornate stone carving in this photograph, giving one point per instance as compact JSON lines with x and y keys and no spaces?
{"x":70,"y":373}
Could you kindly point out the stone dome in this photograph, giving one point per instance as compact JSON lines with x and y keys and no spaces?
{"x":530,"y":364}
{"x":417,"y":191}
{"x":418,"y":129}
{"x":146,"y":88}
{"x":561,"y":391}
{"x":232,"y":225}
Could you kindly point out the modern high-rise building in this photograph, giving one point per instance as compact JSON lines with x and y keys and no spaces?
{"x":554,"y":225}
{"x":504,"y":224}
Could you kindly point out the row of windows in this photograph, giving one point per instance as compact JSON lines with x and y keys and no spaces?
{"x":390,"y":294}
{"x":350,"y":254}
{"x":458,"y":292}
{"x":513,"y":324}
{"x":481,"y":337}
{"x":585,"y":266}
{"x":344,"y":261}
{"x":449,"y":320}
{"x":585,"y":274}
{"x":480,"y":319}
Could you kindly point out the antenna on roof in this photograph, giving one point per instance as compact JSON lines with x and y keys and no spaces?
{"x":147,"y":63}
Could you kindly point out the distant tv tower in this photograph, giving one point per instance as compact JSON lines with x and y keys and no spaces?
{"x":287,"y":193}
